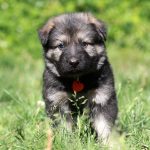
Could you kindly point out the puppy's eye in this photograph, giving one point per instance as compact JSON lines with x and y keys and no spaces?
{"x":61,"y":45}
{"x":85,"y":44}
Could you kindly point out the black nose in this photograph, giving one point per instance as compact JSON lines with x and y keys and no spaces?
{"x":73,"y":62}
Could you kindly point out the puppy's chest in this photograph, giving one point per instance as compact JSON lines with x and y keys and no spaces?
{"x":78,"y":100}
{"x":81,"y":85}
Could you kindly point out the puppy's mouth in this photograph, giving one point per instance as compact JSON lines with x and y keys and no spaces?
{"x":74,"y":73}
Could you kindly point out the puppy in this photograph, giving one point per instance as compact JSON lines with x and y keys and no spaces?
{"x":76,"y":62}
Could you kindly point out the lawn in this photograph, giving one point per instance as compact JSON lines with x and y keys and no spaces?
{"x":23,"y":122}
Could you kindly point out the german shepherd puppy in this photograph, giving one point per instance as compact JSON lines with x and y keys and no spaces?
{"x":76,"y":61}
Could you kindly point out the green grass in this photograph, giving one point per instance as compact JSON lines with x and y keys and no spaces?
{"x":23,"y":122}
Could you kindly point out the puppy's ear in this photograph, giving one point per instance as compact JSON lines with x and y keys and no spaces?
{"x":44,"y":32}
{"x":100,"y":26}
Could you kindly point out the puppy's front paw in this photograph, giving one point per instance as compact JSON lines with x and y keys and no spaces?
{"x":102,"y":128}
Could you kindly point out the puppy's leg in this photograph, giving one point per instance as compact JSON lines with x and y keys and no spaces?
{"x":102,"y":127}
{"x":103,"y":106}
{"x":53,"y":101}
{"x":103,"y":118}
{"x":66,"y":114}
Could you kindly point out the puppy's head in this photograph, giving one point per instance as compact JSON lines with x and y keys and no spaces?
{"x":74,"y":44}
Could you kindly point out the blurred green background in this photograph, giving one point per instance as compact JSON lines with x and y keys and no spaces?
{"x":21,"y":67}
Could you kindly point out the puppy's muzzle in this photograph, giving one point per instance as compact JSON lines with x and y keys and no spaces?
{"x":73,"y":62}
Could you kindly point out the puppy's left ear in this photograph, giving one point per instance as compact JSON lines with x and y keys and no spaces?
{"x":44,"y":32}
{"x":100,"y":27}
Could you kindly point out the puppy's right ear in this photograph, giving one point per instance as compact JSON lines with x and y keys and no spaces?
{"x":44,"y":32}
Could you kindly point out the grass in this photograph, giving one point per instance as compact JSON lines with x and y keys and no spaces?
{"x":23,"y":122}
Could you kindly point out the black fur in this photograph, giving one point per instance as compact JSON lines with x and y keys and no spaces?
{"x":91,"y":66}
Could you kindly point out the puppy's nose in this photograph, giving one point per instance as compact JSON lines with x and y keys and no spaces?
{"x":73,"y":62}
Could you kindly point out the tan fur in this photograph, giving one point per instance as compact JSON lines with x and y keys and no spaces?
{"x":54,"y":54}
{"x":47,"y":27}
{"x":57,"y":97}
{"x":100,"y":95}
